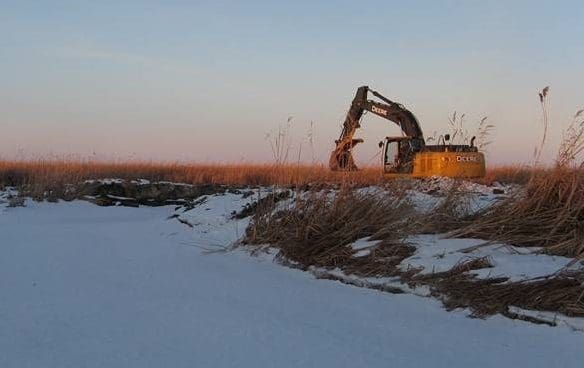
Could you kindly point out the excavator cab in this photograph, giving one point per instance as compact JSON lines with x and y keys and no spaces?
{"x":398,"y":154}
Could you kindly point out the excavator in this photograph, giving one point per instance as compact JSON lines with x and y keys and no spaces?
{"x":407,"y":155}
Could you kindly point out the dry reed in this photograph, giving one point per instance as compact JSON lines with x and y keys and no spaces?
{"x":51,"y":173}
{"x":549,"y":213}
{"x":561,"y":293}
{"x":318,"y":229}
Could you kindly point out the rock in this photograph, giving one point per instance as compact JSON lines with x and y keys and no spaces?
{"x":158,"y":194}
{"x":132,"y":194}
{"x":103,"y":201}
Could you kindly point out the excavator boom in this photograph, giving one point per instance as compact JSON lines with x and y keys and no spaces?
{"x":341,"y":158}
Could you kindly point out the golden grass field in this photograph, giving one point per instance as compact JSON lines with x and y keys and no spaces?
{"x":56,"y":172}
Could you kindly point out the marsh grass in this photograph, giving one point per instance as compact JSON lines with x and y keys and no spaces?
{"x":317,"y":229}
{"x":46,"y":175}
{"x":549,"y":212}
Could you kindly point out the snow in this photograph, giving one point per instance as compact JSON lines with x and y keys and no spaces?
{"x":6,"y":194}
{"x":437,"y":254}
{"x":106,"y":181}
{"x":444,"y":184}
{"x":141,"y":182}
{"x":364,"y":243}
{"x":82,"y":285}
{"x":362,"y":253}
{"x":576,"y":324}
{"x":427,"y":194}
{"x":363,"y":247}
{"x":212,"y":219}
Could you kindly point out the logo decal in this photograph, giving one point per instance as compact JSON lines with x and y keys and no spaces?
{"x":378,"y":110}
{"x":468,"y":158}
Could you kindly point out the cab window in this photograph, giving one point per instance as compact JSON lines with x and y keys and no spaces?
{"x":391,"y":156}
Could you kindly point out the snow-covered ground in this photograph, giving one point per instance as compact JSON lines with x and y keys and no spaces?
{"x":89,"y":286}
{"x":436,"y":254}
{"x":427,"y":194}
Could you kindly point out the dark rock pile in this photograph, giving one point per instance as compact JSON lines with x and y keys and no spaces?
{"x":134,"y":194}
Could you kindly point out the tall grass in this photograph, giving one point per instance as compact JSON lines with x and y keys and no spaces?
{"x":59,"y":172}
{"x":50,"y":173}
{"x":511,"y":174}
{"x":317,"y":228}
{"x":549,"y":213}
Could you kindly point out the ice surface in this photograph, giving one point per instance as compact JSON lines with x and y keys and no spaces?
{"x":89,"y":286}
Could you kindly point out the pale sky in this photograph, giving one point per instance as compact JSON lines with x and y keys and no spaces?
{"x":207,"y":81}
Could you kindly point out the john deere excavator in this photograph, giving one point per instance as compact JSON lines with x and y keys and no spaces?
{"x":408,"y":155}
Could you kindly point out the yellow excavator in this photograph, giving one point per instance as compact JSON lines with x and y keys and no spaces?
{"x":408,"y":155}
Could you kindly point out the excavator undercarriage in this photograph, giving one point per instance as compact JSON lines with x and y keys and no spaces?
{"x":408,"y":155}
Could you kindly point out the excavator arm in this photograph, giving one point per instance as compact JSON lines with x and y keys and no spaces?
{"x":341,"y":158}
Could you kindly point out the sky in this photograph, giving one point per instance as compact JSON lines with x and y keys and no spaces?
{"x":215,"y":81}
